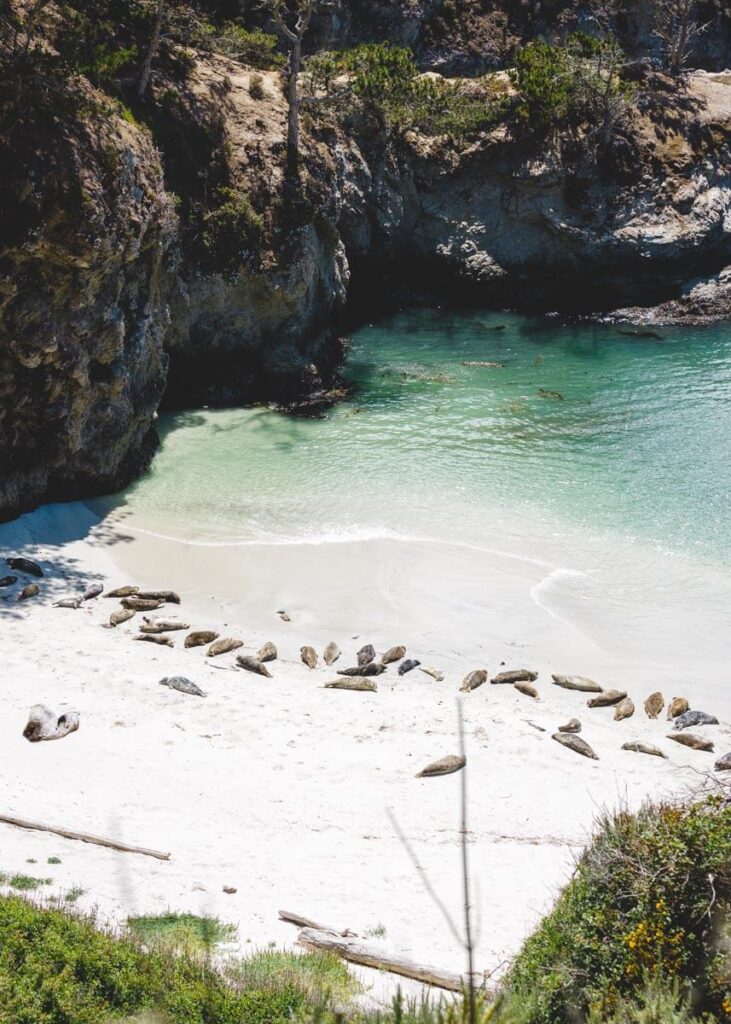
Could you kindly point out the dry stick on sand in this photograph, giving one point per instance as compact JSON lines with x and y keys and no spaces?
{"x":369,"y":956}
{"x":113,"y":844}
{"x":306,"y":922}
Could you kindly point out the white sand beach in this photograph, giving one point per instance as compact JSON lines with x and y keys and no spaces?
{"x":281,"y":788}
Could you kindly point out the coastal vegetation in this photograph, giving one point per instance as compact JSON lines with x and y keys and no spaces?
{"x":640,"y":935}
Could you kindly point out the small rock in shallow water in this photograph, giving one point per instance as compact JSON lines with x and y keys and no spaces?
{"x":200,"y":637}
{"x":654,"y":704}
{"x":444,"y":766}
{"x":393,"y":654}
{"x":352,"y":683}
{"x":366,"y":654}
{"x":677,"y":706}
{"x":690,"y":740}
{"x":308,"y":656}
{"x":691,"y":718}
{"x":408,"y":666}
{"x":331,"y":653}
{"x":26,"y":565}
{"x":573,"y":725}
{"x":246,"y":661}
{"x":625,"y":709}
{"x":606,"y":699}
{"x":643,"y":748}
{"x":473,"y":679}
{"x":183,"y":684}
{"x":576,"y":683}
{"x":575,"y":743}
{"x":516,"y":675}
{"x":223,"y":646}
{"x":32,"y":590}
{"x":267,"y":652}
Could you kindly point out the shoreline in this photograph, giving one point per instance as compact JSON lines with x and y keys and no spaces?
{"x":281,"y":788}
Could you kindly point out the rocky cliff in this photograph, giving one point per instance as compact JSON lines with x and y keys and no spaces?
{"x":154,"y":262}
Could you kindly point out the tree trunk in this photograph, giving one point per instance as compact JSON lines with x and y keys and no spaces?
{"x":293,"y":127}
{"x":151,"y":50}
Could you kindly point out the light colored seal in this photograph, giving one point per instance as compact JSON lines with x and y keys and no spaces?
{"x":575,"y":743}
{"x":331,"y":653}
{"x":200,"y":637}
{"x":93,"y":591}
{"x":654,"y":704}
{"x":526,"y":688}
{"x":168,"y":596}
{"x":577,"y":683}
{"x":68,"y":602}
{"x":573,"y":725}
{"x":267,"y":652}
{"x":123,"y":592}
{"x":677,"y":706}
{"x":308,"y":655}
{"x":473,"y":679}
{"x":643,"y":748}
{"x":183,"y":684}
{"x":251,"y":664}
{"x":688,"y":739}
{"x":162,"y":625}
{"x":515,"y":675}
{"x":163,"y":641}
{"x":223,"y":646}
{"x":366,"y":654}
{"x":352,"y":683}
{"x":625,"y":709}
{"x":120,"y":616}
{"x":435,"y":673}
{"x":606,"y":699}
{"x":393,"y":654}
{"x":444,"y":766}
{"x":141,"y":604}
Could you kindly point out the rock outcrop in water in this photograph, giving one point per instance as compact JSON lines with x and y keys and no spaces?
{"x":154,"y":262}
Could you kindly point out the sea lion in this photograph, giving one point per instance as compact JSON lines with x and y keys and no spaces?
{"x":576,"y":683}
{"x":677,"y":706}
{"x":268,"y":652}
{"x":407,"y":666}
{"x":68,"y":602}
{"x":573,"y":725}
{"x":223,"y":646}
{"x":352,"y":683}
{"x":606,"y":699}
{"x":643,"y":748}
{"x":444,"y":766}
{"x":526,"y":688}
{"x":331,"y":653}
{"x":690,"y":718}
{"x":200,"y":637}
{"x":168,"y":596}
{"x":141,"y":604}
{"x":26,"y":565}
{"x":93,"y":591}
{"x":163,"y":641}
{"x":515,"y":675}
{"x":723,"y":764}
{"x":393,"y":654}
{"x":183,"y":684}
{"x":123,"y":592}
{"x":575,"y":743}
{"x":366,"y":654}
{"x":374,"y":669}
{"x":32,"y":590}
{"x":162,"y":626}
{"x":308,"y":656}
{"x":654,"y":704}
{"x":473,"y":679}
{"x":688,"y":739}
{"x":251,"y":664}
{"x":625,"y":709}
{"x":8,"y":581}
{"x":120,"y":616}
{"x":435,"y":673}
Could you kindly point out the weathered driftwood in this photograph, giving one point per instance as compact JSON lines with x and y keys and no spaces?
{"x":369,"y":956}
{"x":306,"y":922}
{"x":44,"y":724}
{"x":113,"y":844}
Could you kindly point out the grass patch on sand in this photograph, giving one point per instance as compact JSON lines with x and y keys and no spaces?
{"x":320,"y":978}
{"x":181,"y":933}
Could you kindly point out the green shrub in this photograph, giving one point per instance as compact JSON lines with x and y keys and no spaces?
{"x":257,"y":49}
{"x":180,"y":933}
{"x":232,"y":230}
{"x":645,"y":906}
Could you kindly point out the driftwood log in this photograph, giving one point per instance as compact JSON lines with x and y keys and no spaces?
{"x":306,"y":922}
{"x":113,"y":844}
{"x":369,"y":956}
{"x":44,"y":724}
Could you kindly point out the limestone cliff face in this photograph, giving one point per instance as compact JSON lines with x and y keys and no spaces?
{"x":87,"y":260}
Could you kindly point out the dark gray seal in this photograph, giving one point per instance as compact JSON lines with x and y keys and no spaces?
{"x":26,"y":565}
{"x":183,"y":684}
{"x":8,"y":581}
{"x":366,"y":655}
{"x":373,"y":669}
{"x":690,"y":718}
{"x":407,"y":666}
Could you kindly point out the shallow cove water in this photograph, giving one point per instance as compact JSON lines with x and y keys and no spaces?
{"x":491,"y":478}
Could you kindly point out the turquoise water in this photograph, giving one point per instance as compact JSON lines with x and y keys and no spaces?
{"x":579,"y":430}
